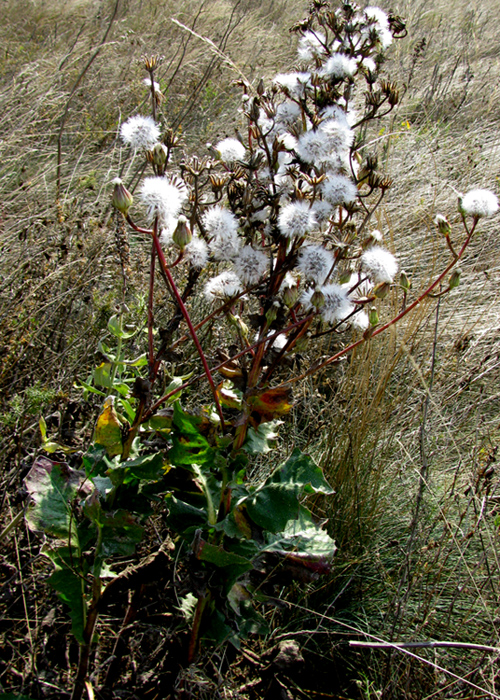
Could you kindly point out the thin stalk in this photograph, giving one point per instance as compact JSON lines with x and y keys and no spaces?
{"x":390,"y":323}
{"x":187,"y":318}
{"x":151,"y":355}
{"x":88,"y":632}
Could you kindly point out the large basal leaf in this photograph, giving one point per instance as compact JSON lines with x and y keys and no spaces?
{"x":69,"y":584}
{"x":147,"y":467}
{"x":276,"y":502}
{"x":52,"y":486}
{"x":184,"y":518}
{"x":273,"y":505}
{"x":120,"y":533}
{"x":300,"y":470}
{"x":189,"y":445}
{"x":302,"y":535}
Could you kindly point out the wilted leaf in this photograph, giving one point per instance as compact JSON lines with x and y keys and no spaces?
{"x":269,"y":404}
{"x":108,"y":431}
{"x":52,"y":487}
{"x":228,"y":396}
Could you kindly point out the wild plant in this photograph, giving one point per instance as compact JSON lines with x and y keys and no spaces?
{"x":265,"y":246}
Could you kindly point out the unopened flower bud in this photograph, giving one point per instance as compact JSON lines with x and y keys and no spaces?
{"x":404,"y":281}
{"x":455,"y":278}
{"x":373,"y":316}
{"x":158,"y":155}
{"x":318,"y":299}
{"x":122,"y":199}
{"x":272,"y":312}
{"x":290,"y":295}
{"x":260,"y":87}
{"x":345,"y":276}
{"x":182,"y":234}
{"x":381,"y":290}
{"x":443,"y":225}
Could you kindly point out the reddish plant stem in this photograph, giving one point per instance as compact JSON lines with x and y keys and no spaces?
{"x":187,"y":318}
{"x":151,"y":355}
{"x":394,"y":320}
{"x":269,"y":339}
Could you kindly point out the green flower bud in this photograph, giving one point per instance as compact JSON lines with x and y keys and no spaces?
{"x":158,"y":155}
{"x":382,"y":290}
{"x":122,"y":199}
{"x":443,"y":225}
{"x":182,"y":234}
{"x":272,"y":312}
{"x":290,"y":295}
{"x":404,"y":281}
{"x":455,"y":278}
{"x":318,"y":299}
{"x":373,"y":316}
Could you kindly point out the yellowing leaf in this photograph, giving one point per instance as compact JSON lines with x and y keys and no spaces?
{"x":269,"y":404}
{"x":108,"y":431}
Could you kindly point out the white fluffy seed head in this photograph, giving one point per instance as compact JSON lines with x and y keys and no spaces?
{"x":311,"y":44}
{"x":379,"y":264}
{"x":223,"y":287}
{"x":250,"y":265}
{"x":230,"y":150}
{"x":296,"y":220}
{"x":295,"y":83}
{"x":380,"y":23}
{"x":162,"y":198}
{"x":339,"y":66}
{"x":478,"y":203}
{"x":196,"y":252}
{"x":315,"y":262}
{"x":338,"y":189}
{"x":220,"y":222}
{"x":140,"y":133}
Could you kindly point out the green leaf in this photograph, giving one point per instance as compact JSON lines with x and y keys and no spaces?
{"x":184,"y":518}
{"x":89,"y":388}
{"x":96,"y":462}
{"x":69,"y":585}
{"x":147,"y":467}
{"x":300,"y":470}
{"x":216,"y":630}
{"x":222,"y":558}
{"x":189,"y":445}
{"x":276,"y":502}
{"x":262,"y":440}
{"x":273,"y":505}
{"x":302,"y":535}
{"x":116,"y":328}
{"x":52,"y":487}
{"x":102,"y":375}
{"x":120,"y":533}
